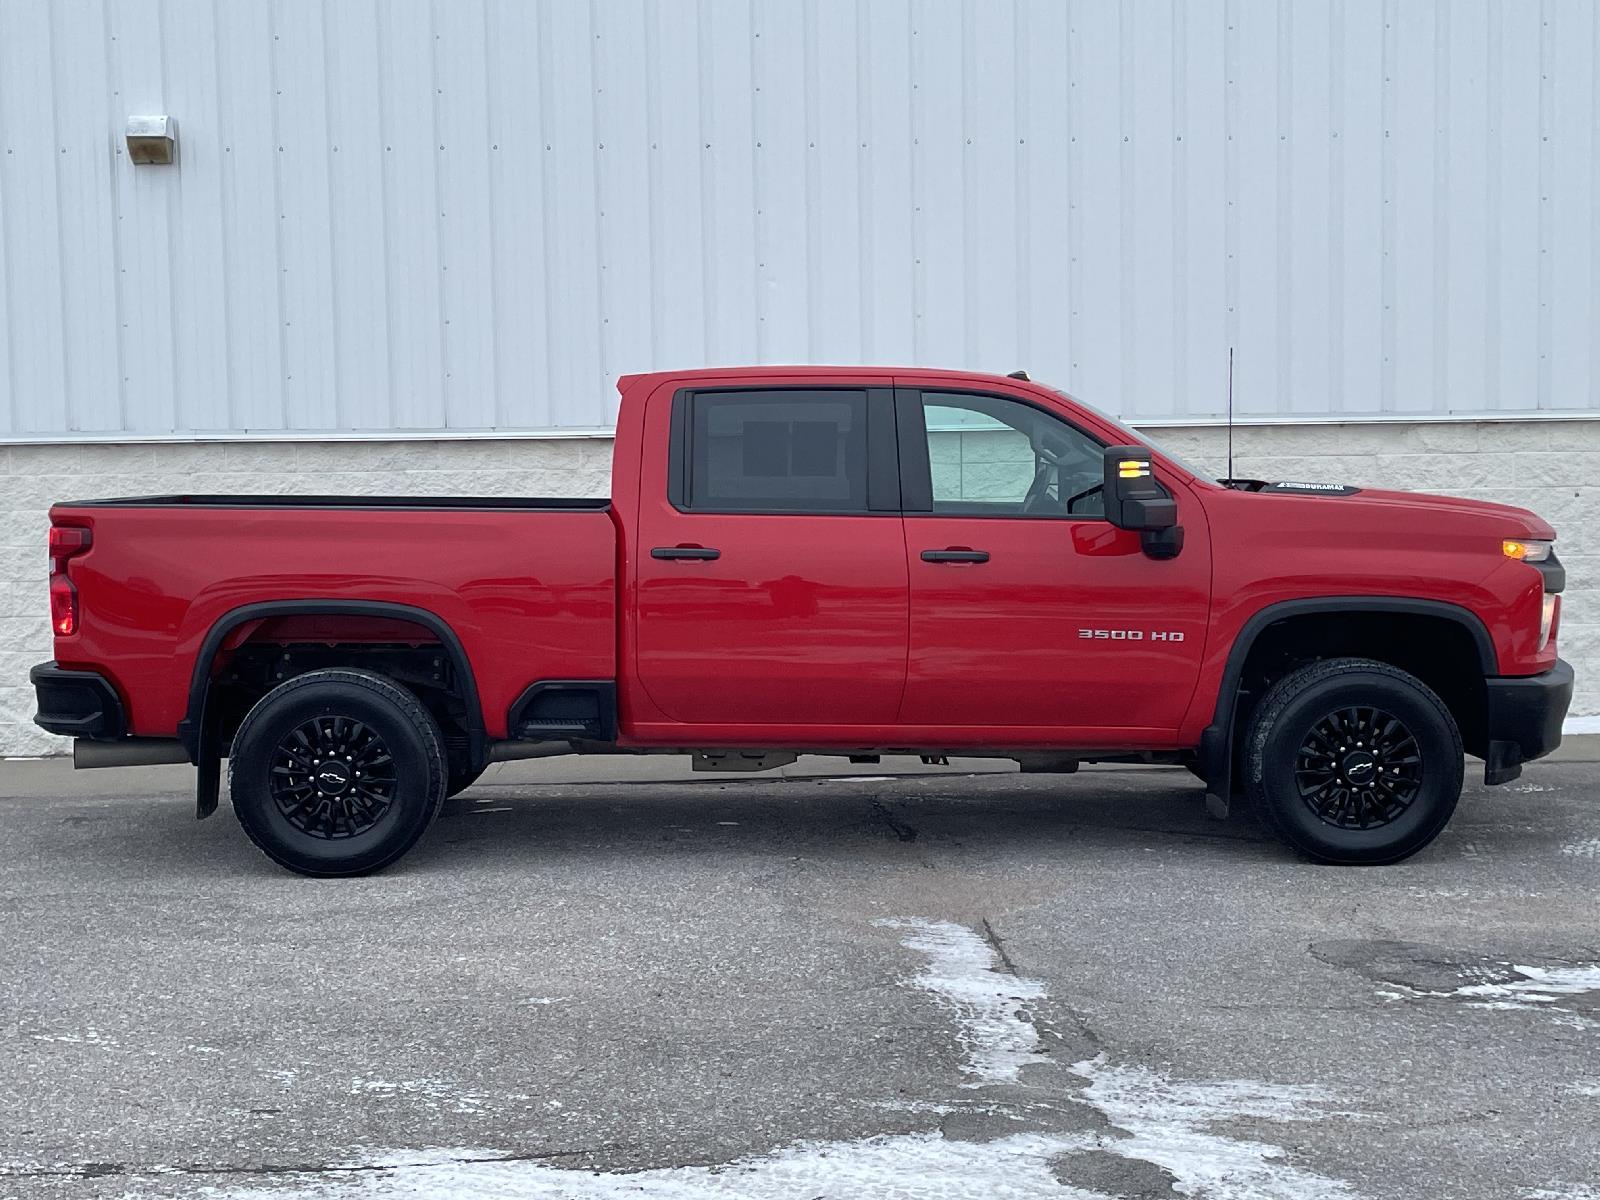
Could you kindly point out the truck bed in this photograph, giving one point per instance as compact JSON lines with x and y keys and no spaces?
{"x":516,"y":503}
{"x":528,"y":586}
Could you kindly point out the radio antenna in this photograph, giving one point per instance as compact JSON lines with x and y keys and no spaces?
{"x":1229,"y":479}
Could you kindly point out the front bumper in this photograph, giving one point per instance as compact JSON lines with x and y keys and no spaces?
{"x":77,"y":704}
{"x":1524,"y":719}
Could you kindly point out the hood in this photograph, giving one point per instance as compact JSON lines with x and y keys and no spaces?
{"x":1513,"y":521}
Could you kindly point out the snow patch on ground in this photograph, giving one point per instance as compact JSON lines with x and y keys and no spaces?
{"x":1515,"y":988}
{"x":892,"y":1167}
{"x":1168,"y":1122}
{"x":1588,"y":848}
{"x":1538,"y":986}
{"x":994,"y":1023}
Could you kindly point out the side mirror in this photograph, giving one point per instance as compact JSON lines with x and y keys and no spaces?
{"x":1136,"y":500}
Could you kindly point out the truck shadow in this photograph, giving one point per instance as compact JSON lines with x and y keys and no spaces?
{"x":954,"y":817}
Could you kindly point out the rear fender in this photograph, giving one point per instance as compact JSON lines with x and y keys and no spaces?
{"x":199,"y":731}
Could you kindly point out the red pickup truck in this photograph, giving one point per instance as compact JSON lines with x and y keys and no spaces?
{"x":842,"y":561}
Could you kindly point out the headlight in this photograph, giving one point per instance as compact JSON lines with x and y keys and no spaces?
{"x":1526,"y":551}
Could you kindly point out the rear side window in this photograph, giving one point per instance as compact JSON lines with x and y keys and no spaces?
{"x":777,"y":451}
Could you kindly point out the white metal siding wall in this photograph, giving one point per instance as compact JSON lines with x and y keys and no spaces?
{"x":390,"y":216}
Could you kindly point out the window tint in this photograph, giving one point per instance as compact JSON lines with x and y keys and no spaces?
{"x":995,"y":457}
{"x":778,"y":451}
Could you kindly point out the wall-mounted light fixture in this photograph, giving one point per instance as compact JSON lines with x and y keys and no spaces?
{"x":152,"y":140}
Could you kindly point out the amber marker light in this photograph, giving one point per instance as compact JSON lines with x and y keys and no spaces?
{"x":1525,"y":551}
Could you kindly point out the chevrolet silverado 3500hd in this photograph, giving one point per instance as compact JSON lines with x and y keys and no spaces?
{"x":843,"y":561}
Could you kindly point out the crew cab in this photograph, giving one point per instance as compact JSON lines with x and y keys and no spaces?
{"x":843,"y":561}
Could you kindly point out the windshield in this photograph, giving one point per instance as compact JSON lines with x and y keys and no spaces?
{"x":1142,"y":439}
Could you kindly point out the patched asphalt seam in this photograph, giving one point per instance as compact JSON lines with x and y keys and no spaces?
{"x":997,"y":944}
{"x":906,"y":833}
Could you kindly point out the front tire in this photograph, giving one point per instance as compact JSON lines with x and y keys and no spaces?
{"x":1353,"y":761}
{"x":336,"y":772}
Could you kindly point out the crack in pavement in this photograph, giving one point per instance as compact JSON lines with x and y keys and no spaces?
{"x":103,"y":1170}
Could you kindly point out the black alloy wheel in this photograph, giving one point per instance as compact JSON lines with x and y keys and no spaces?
{"x":333,"y":777}
{"x":1353,"y":761}
{"x":337,"y":772}
{"x":1359,"y":767}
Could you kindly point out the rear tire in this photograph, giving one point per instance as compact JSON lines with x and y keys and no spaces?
{"x":336,"y":772}
{"x":1353,"y":761}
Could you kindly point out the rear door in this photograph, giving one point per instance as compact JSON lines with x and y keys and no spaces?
{"x":771,"y":569}
{"x":1028,"y":608}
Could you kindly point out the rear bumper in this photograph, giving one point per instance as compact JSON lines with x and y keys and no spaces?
{"x":1525,"y":714}
{"x":78,"y":704}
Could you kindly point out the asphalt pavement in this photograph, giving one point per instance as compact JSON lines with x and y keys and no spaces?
{"x":597,"y":980}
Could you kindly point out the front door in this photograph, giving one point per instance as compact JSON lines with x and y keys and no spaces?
{"x":771,"y":567}
{"x":1028,"y":608}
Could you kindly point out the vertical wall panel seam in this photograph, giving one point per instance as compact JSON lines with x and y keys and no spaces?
{"x":1074,"y":221}
{"x":173,"y":205}
{"x":1544,"y":398}
{"x":1286,"y":298}
{"x":1127,"y":213}
{"x":653,"y":176}
{"x":63,"y":278}
{"x":708,"y":192}
{"x":1023,"y":250}
{"x":758,"y":261}
{"x":278,"y":267}
{"x":1179,"y":152}
{"x":497,"y":305}
{"x":597,"y":182}
{"x":1441,"y":208}
{"x":381,"y":12}
{"x":864,"y":189}
{"x":225,"y":178}
{"x":1494,"y":127}
{"x":440,"y":155}
{"x":113,"y":148}
{"x":8,"y":282}
{"x":810,"y":171}
{"x":329,"y":63}
{"x":1230,"y":166}
{"x":918,"y":231}
{"x":1594,"y":211}
{"x":541,"y":58}
{"x":1386,"y":200}
{"x":1337,"y":117}
{"x":970,"y":267}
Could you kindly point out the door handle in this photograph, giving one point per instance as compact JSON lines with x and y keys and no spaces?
{"x":685,"y":552}
{"x":954,"y":555}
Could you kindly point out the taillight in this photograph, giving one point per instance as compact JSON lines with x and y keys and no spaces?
{"x":65,"y":542}
{"x":63,"y":606}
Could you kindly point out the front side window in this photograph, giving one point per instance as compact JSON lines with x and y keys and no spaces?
{"x":778,"y":451}
{"x":990,"y":456}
